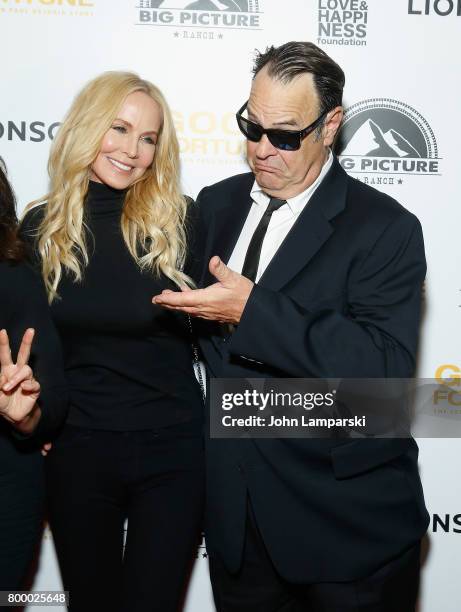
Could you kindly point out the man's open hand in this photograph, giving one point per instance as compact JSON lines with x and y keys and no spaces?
{"x":223,"y":301}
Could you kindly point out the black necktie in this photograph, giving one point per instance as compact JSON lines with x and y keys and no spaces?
{"x":251,"y":263}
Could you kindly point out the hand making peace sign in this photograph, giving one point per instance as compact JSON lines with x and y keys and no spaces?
{"x":19,"y":390}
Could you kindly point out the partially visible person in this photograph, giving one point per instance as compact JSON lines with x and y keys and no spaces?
{"x":111,"y":234}
{"x":32,"y":397}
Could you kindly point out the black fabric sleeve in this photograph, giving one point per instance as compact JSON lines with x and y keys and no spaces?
{"x":30,"y":309}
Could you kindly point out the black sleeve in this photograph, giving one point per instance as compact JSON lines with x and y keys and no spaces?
{"x":30,"y":309}
{"x":376,"y":338}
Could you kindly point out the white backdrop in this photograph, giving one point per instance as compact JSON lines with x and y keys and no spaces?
{"x":401,"y":59}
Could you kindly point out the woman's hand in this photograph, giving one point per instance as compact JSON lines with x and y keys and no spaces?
{"x":19,"y":390}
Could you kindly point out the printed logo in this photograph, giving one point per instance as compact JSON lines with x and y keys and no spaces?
{"x":447,"y":396}
{"x":33,"y":131}
{"x":386,"y":137}
{"x":202,"y":551}
{"x":208,"y":137}
{"x":209,"y":14}
{"x":443,"y":8}
{"x":446,"y":523}
{"x":342,"y":22}
{"x":68,"y":8}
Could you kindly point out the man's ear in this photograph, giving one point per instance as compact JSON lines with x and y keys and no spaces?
{"x":332,"y":124}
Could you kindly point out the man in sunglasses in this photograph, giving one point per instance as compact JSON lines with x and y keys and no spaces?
{"x":308,"y":274}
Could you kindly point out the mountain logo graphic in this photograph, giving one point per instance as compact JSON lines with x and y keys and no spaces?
{"x":385,"y":135}
{"x":236,"y":6}
{"x":371,"y":140}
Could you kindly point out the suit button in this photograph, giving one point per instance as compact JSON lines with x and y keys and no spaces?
{"x":240,"y":468}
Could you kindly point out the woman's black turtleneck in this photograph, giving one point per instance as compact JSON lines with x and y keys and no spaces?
{"x":128,"y":362}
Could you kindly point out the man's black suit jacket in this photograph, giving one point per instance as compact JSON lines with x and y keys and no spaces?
{"x":340,"y":298}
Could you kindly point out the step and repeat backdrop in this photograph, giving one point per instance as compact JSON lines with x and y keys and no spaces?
{"x":401,"y":134}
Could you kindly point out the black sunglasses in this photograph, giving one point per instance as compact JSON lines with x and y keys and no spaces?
{"x":287,"y":140}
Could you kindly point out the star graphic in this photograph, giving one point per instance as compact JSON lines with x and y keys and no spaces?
{"x":176,"y":34}
{"x":204,"y":555}
{"x":400,"y":181}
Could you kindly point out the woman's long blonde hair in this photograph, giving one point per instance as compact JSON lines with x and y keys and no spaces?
{"x":153,"y":217}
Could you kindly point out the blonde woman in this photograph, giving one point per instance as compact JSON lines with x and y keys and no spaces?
{"x":111,"y":234}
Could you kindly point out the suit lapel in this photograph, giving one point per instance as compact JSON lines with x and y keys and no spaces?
{"x":310,"y":231}
{"x":228,"y":224}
